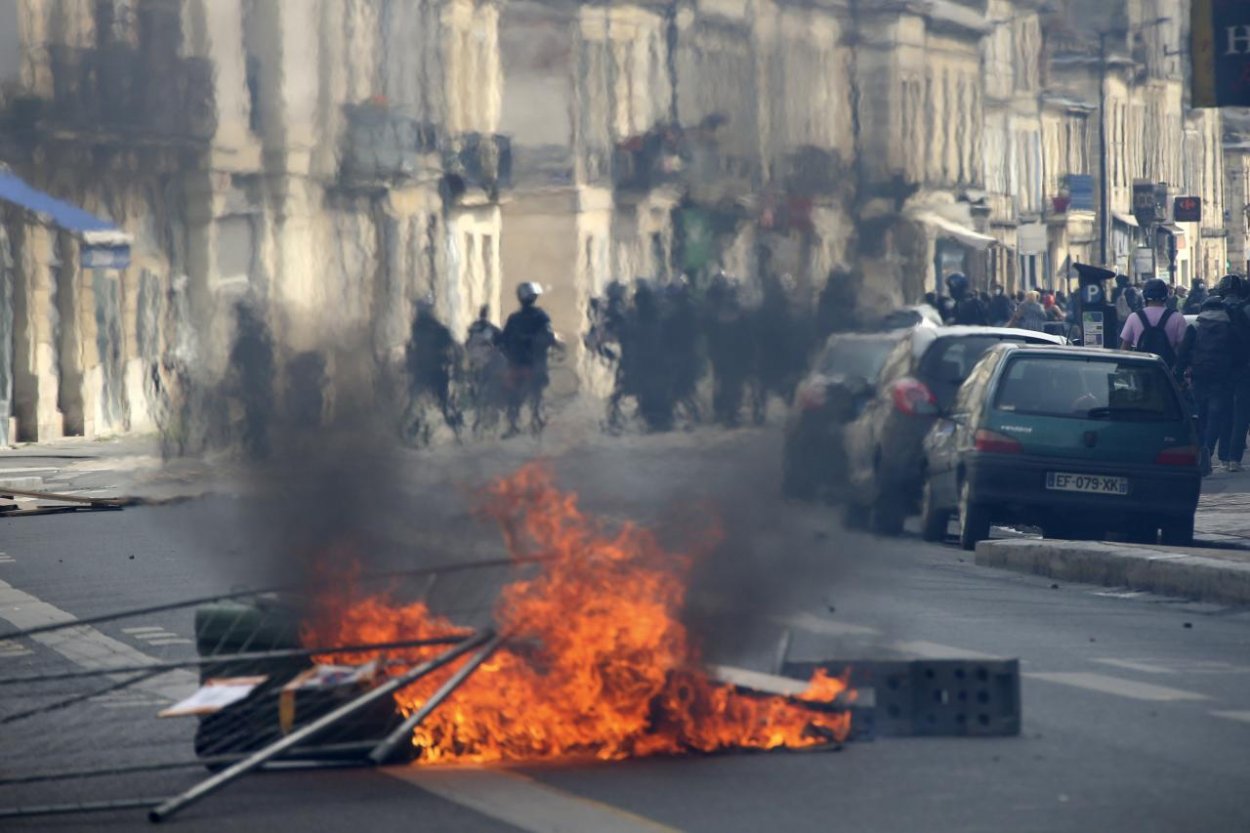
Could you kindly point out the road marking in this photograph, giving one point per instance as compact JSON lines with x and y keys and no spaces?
{"x":156,"y":636}
{"x":1243,"y":717}
{"x":934,"y":650}
{"x":1114,"y":685}
{"x":85,"y":646}
{"x":171,"y":640}
{"x":13,"y":648}
{"x":523,"y":802}
{"x":812,"y":623}
{"x":143,"y":629}
{"x":1133,"y":665}
{"x":7,"y":559}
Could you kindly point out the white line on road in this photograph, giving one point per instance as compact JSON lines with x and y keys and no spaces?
{"x":7,"y":559}
{"x":523,"y":802}
{"x":1243,"y":717}
{"x":13,"y":648}
{"x":933,"y":650}
{"x":1134,"y":665}
{"x":170,"y":640}
{"x":143,"y":629}
{"x":812,"y":623}
{"x":84,"y":645}
{"x":1114,"y":685}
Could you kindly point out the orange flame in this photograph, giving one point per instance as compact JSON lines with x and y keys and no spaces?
{"x":597,"y":662}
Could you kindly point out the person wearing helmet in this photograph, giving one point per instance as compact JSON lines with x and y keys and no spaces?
{"x":430,"y":356}
{"x":1155,"y":328}
{"x":526,"y":339}
{"x":1235,"y":293}
{"x":965,"y":307}
{"x":1197,"y":295}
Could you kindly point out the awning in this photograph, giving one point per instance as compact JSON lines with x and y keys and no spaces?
{"x":104,"y":245}
{"x":949,"y":228}
{"x":1172,"y":229}
{"x":1126,"y":219}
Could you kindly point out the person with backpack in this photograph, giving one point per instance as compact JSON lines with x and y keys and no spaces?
{"x":1125,"y":298}
{"x":1154,"y":328}
{"x":1236,"y":295}
{"x":1207,"y":354}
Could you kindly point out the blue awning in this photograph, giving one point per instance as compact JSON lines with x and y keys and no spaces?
{"x":94,"y":232}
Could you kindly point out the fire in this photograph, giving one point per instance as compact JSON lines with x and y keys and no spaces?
{"x":597,"y":662}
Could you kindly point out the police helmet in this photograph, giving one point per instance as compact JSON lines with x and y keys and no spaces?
{"x":957,"y":283}
{"x":425,"y":303}
{"x":1231,"y":285}
{"x":1155,"y":289}
{"x":1199,"y":283}
{"x":528,"y":292}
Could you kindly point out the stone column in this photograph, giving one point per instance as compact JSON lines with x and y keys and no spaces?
{"x":35,"y":376}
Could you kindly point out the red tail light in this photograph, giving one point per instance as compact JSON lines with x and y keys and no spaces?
{"x":1181,"y":455}
{"x":995,"y":443}
{"x":810,"y":397}
{"x":913,"y":397}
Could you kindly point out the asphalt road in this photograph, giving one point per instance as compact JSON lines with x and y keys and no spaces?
{"x":1136,"y":708}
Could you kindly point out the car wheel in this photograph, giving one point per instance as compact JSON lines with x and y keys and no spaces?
{"x":933,"y":521}
{"x":888,"y":516}
{"x":974,"y":519}
{"x":1179,"y":532}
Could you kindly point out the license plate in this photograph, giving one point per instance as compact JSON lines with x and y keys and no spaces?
{"x":1093,"y":483}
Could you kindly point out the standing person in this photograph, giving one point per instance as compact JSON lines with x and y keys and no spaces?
{"x":526,"y":339}
{"x":1154,"y":328}
{"x":679,"y":330}
{"x":1197,"y":295}
{"x":1236,"y":295}
{"x":1125,"y":298}
{"x":729,"y":349}
{"x":1000,"y":307}
{"x":648,"y":368}
{"x":252,"y":371}
{"x":1207,"y":353}
{"x":966,"y":307}
{"x":1030,"y":315}
{"x":486,"y":369}
{"x":430,"y":357}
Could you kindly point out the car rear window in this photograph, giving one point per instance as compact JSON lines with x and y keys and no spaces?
{"x":860,"y":357}
{"x":949,"y":361}
{"x":1080,"y":388}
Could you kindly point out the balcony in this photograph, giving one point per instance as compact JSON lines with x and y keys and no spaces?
{"x":121,"y":93}
{"x":651,"y":160}
{"x":813,"y":170}
{"x":383,"y":145}
{"x":479,"y":160}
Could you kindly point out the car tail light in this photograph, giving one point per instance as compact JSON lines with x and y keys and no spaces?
{"x":811,"y":397}
{"x":995,"y":443}
{"x":913,"y":397}
{"x":1181,"y":455}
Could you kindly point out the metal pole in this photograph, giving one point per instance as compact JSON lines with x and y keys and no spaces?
{"x":245,"y":766}
{"x":83,"y":807}
{"x":1104,"y":208}
{"x":384,"y":751}
{"x":216,"y":659}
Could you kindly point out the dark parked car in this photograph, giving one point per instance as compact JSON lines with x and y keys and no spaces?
{"x":833,"y":392}
{"x":1077,"y":441}
{"x":885,"y":443}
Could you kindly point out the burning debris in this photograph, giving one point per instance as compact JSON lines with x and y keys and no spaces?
{"x":595,"y":661}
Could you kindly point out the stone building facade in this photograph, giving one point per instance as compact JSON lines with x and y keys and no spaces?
{"x":330,"y":161}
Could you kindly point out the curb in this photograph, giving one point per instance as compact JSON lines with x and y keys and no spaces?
{"x":1225,"y":580}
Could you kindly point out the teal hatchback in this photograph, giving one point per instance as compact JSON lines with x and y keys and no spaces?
{"x":1078,"y":441}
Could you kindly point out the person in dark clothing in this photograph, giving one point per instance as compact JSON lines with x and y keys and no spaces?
{"x":1206,"y":354}
{"x":779,"y":349}
{"x":836,"y":305}
{"x":1197,"y":296}
{"x":605,"y":338}
{"x":729,"y":349}
{"x":252,"y":365}
{"x":966,"y":307}
{"x":647,"y":365}
{"x":431,"y":355}
{"x":1000,"y":306}
{"x":679,"y":332}
{"x":1236,"y":296}
{"x":487,"y":370}
{"x":526,"y":340}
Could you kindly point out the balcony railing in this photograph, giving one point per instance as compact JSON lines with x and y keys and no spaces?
{"x":480,"y":160}
{"x":653,"y":159}
{"x":121,"y":92}
{"x":383,"y":144}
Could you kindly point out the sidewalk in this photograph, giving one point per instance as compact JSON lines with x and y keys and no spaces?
{"x":1216,"y":569}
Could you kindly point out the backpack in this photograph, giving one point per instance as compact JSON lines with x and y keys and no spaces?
{"x":1211,"y":357}
{"x":1154,"y":337}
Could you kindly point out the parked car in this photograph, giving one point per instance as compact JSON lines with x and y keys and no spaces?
{"x":885,"y":443}
{"x":836,"y":387}
{"x":1077,"y":441}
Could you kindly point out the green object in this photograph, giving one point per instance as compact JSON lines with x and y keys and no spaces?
{"x":234,"y":627}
